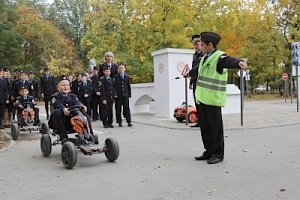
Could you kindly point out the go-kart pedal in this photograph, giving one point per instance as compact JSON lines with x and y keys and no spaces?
{"x":85,"y":150}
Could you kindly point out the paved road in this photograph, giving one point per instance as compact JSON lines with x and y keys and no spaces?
{"x":157,"y":163}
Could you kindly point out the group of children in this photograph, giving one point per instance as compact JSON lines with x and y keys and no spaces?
{"x":98,"y":91}
{"x":16,"y":94}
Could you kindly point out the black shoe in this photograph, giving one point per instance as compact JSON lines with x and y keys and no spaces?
{"x":120,"y":125}
{"x":105,"y":126}
{"x":111,"y":126}
{"x":202,"y":157}
{"x":129,"y":124}
{"x":195,"y":125}
{"x":214,"y":160}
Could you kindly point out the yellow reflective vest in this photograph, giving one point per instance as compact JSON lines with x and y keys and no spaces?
{"x":211,"y":85}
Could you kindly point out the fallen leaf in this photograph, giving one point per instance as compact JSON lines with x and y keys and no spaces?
{"x":282,"y":190}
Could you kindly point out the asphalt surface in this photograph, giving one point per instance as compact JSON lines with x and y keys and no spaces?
{"x":157,"y":162}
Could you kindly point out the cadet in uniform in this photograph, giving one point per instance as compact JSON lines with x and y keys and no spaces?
{"x":61,"y":101}
{"x":107,"y":98}
{"x":109,"y":56}
{"x":85,"y":90}
{"x":47,"y":82}
{"x":74,"y":84}
{"x":23,"y":81}
{"x":95,"y":102}
{"x":3,"y":97}
{"x":194,"y":71}
{"x":20,"y":104}
{"x":34,"y":83}
{"x":9,"y":104}
{"x":122,"y":90}
{"x":211,"y":95}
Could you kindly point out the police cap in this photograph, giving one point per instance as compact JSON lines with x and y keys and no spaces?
{"x":212,"y":37}
{"x":196,"y":37}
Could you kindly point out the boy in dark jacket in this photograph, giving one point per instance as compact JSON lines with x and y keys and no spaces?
{"x":122,"y":94}
{"x":25,"y":105}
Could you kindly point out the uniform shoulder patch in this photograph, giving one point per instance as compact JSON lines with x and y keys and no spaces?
{"x":53,"y":100}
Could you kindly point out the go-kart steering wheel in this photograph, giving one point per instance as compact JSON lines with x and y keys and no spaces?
{"x":80,"y":106}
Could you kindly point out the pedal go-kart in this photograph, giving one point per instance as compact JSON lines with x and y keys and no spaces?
{"x":180,"y":113}
{"x":84,"y":141}
{"x":27,"y":124}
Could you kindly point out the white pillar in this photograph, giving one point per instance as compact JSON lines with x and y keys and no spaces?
{"x":170,"y":92}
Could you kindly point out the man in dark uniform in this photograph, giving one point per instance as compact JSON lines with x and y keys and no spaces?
{"x":60,"y":119}
{"x":95,"y":102}
{"x":3,"y":97}
{"x":85,"y":90}
{"x":107,"y":98}
{"x":211,"y":95}
{"x":194,"y":71}
{"x":74,"y":84}
{"x":47,"y":82}
{"x":23,"y":81}
{"x":122,"y":94}
{"x":35,"y":84}
{"x":109,"y":56}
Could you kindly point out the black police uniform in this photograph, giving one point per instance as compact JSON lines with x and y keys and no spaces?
{"x":112,"y":66}
{"x":3,"y":99}
{"x":22,"y":100}
{"x":107,"y":93}
{"x":58,"y":121}
{"x":35,"y":84}
{"x":85,"y":90}
{"x":48,"y":89}
{"x":74,"y":86}
{"x":95,"y":102}
{"x":122,"y":90}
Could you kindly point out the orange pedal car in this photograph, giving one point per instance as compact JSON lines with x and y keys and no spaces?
{"x":180,"y":112}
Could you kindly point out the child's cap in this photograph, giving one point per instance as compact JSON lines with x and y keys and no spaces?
{"x":23,"y":88}
{"x":210,"y":37}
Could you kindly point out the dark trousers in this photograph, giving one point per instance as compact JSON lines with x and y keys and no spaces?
{"x":119,"y":103}
{"x":47,"y":104}
{"x":95,"y":106}
{"x":107,"y":113}
{"x":62,"y":124}
{"x":2,"y":107}
{"x":211,"y":126}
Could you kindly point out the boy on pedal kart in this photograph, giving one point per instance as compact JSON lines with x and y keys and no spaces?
{"x":60,"y":119}
{"x":25,"y":116}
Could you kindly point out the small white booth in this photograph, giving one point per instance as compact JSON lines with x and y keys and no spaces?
{"x":169,"y":85}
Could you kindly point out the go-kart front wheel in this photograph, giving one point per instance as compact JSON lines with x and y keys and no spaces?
{"x":44,"y":128}
{"x":179,"y":119}
{"x":46,"y":145}
{"x":69,"y":155}
{"x":111,"y":149}
{"x":15,"y":131}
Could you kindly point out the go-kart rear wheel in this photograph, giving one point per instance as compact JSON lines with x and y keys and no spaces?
{"x":192,"y":117}
{"x":69,"y":155}
{"x":111,"y":149}
{"x":46,"y":145}
{"x":15,"y":131}
{"x":96,"y":140}
{"x":179,"y":119}
{"x":44,"y":128}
